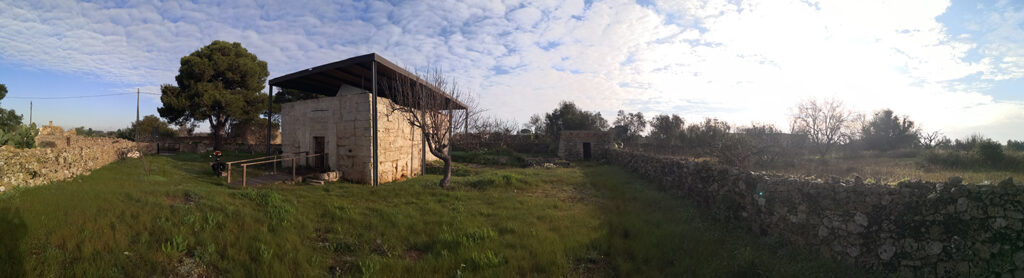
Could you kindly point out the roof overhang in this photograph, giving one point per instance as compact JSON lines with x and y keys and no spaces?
{"x":357,"y":71}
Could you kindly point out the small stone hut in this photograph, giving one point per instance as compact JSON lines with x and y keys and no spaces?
{"x":52,"y":136}
{"x":354,"y":125}
{"x":583,"y":144}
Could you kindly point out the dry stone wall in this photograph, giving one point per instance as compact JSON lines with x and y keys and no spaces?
{"x":28,"y":167}
{"x":913,"y":229}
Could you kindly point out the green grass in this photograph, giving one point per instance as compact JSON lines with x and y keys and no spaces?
{"x":587,"y":221}
{"x":499,"y":157}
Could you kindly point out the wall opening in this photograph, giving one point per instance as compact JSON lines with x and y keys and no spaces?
{"x":586,"y":151}
{"x":318,"y":148}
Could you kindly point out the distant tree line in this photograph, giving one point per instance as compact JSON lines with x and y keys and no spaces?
{"x":819,"y":129}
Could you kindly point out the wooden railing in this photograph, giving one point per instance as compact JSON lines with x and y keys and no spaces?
{"x":273,"y":159}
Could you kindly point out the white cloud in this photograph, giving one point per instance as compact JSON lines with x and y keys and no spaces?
{"x":741,"y":61}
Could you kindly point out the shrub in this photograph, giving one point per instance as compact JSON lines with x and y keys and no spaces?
{"x":21,"y":136}
{"x":990,"y":152}
{"x":1013,"y":145}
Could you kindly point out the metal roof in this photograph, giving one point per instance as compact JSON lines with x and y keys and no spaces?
{"x":355,"y":71}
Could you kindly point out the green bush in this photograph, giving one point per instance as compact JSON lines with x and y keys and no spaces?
{"x":984,"y":157}
{"x":990,"y":152}
{"x":22,"y":136}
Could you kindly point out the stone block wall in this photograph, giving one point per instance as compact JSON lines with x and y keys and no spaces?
{"x":345,"y":122}
{"x":570,"y":144}
{"x":914,"y":229}
{"x":400,"y":145}
{"x":28,"y":167}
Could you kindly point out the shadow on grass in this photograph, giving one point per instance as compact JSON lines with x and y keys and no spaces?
{"x":12,"y":231}
{"x":653,"y":234}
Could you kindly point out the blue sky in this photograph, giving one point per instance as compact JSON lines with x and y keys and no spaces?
{"x":952,"y":66}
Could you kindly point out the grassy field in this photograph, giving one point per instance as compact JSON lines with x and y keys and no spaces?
{"x":888,"y":169}
{"x":586,"y":221}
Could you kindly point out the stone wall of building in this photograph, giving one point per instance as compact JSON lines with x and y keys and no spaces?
{"x":28,"y":167}
{"x":570,"y":144}
{"x":400,"y":145}
{"x":913,"y":229}
{"x":345,"y":122}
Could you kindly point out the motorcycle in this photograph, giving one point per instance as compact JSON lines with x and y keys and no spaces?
{"x":217,"y":165}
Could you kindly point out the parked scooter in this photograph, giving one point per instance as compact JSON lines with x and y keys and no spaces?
{"x":217,"y":165}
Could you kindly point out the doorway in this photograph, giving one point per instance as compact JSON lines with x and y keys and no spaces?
{"x":586,"y":151}
{"x":318,"y":148}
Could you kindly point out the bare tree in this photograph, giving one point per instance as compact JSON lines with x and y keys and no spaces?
{"x":826,"y":123}
{"x":431,"y":106}
{"x":930,"y":139}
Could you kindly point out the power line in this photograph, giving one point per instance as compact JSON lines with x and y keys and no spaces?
{"x":73,"y":97}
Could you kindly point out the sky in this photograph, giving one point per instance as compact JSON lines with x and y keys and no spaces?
{"x":952,"y":66}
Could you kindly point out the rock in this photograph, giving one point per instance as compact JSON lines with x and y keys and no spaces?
{"x":955,"y":180}
{"x":860,"y":219}
{"x":934,"y":248}
{"x":1007,"y":184}
{"x":995,"y":211}
{"x":981,"y":251}
{"x":854,"y":227}
{"x":822,"y":231}
{"x":1014,"y":214}
{"x":1018,"y":259}
{"x":962,"y":204}
{"x":998,"y":223}
{"x":853,"y":251}
{"x":886,"y":252}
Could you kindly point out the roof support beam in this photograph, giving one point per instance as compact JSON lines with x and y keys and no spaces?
{"x":376,"y":159}
{"x":270,"y":115}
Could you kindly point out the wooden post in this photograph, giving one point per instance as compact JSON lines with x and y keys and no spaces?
{"x":243,"y":174}
{"x":229,"y":173}
{"x":275,"y":164}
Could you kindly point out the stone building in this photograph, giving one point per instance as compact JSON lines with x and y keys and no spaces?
{"x":583,"y":144}
{"x":354,"y":125}
{"x":52,"y":136}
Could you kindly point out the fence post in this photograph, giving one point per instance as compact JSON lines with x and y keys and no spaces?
{"x":243,"y":174}
{"x":275,"y":164}
{"x":229,"y":173}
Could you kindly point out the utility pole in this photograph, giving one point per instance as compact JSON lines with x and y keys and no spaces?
{"x":138,"y":93}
